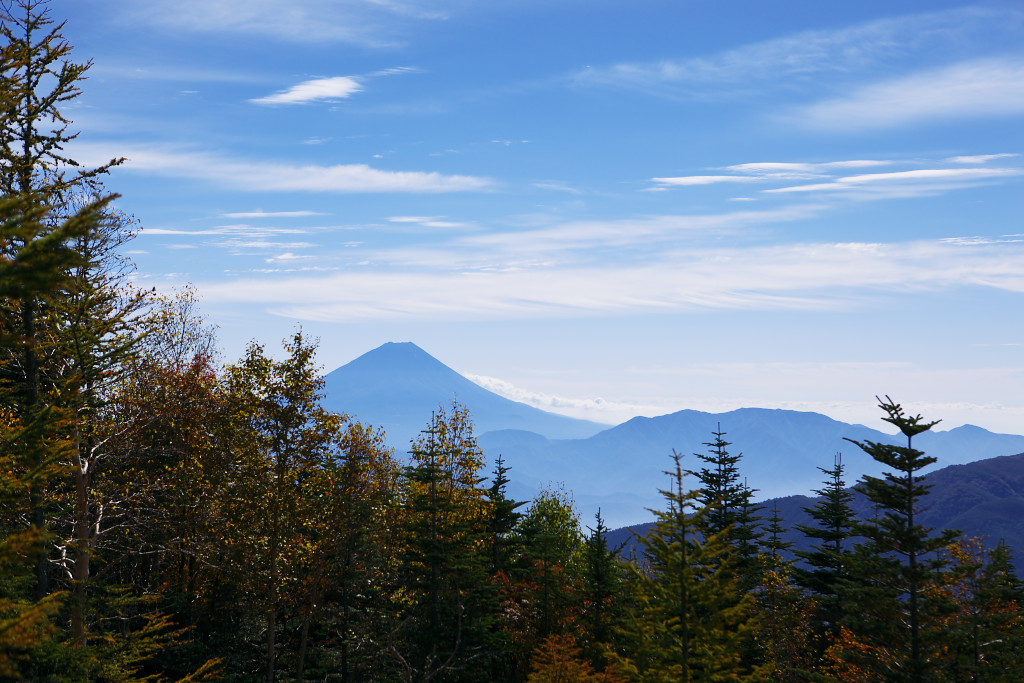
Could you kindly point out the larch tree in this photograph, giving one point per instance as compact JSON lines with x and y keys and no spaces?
{"x":280,"y":440}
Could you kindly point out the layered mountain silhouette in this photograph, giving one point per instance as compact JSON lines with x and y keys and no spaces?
{"x":981,"y":499}
{"x":619,"y":469}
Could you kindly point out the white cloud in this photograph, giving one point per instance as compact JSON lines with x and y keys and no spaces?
{"x":771,"y":171}
{"x":288,"y":256}
{"x":317,"y":89}
{"x":802,"y":277}
{"x":705,"y":179}
{"x":597,"y":409}
{"x":799,"y":57}
{"x":977,"y":89}
{"x":805,"y":378}
{"x":273,"y":214}
{"x":646,"y":232}
{"x":235,"y":230}
{"x":558,"y":187}
{"x":263,"y":176}
{"x":237,"y":245}
{"x":427,"y":221}
{"x":368,"y":22}
{"x":980,"y":158}
{"x":410,"y":219}
{"x":788,"y":169}
{"x":905,"y":183}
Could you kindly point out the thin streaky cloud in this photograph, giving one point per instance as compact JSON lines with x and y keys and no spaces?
{"x":226,"y":230}
{"x":799,"y":56}
{"x":273,"y":214}
{"x":314,"y":90}
{"x":172,"y":74}
{"x":782,"y":168}
{"x":969,"y":90}
{"x":264,"y":176}
{"x":770,"y":171}
{"x":427,"y":221}
{"x":792,"y":277}
{"x":558,"y":187}
{"x":412,"y":219}
{"x":705,"y":179}
{"x":980,"y":158}
{"x":375,"y":23}
{"x":396,"y":71}
{"x":921,"y":176}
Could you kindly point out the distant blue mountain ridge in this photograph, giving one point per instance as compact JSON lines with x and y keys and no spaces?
{"x":620,"y":469}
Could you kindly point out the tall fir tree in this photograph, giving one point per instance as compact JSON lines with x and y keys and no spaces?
{"x":37,"y":78}
{"x":443,"y":623}
{"x":729,"y":506}
{"x":888,"y":602}
{"x":688,"y":618}
{"x":825,"y":564}
{"x":603,"y":575}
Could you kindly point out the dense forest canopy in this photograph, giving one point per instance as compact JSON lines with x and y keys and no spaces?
{"x":167,"y":516}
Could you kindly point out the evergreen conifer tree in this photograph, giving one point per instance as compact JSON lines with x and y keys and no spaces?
{"x":827,"y":561}
{"x":445,"y":626}
{"x":889,"y":603}
{"x":688,"y":618}
{"x":728,"y":504}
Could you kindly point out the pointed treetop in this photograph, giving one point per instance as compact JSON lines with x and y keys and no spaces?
{"x":909,"y":426}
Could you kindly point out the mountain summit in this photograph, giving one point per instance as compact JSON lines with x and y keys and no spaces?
{"x":398,"y":385}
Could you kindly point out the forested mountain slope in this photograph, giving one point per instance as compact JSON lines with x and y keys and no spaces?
{"x":983,"y":499}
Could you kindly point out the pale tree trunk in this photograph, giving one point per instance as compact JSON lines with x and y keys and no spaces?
{"x":83,"y":535}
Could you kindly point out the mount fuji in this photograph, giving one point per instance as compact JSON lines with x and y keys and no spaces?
{"x":398,"y":386}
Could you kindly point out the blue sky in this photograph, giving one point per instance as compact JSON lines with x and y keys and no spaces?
{"x":603,"y":207}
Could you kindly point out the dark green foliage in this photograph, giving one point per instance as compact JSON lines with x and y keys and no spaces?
{"x":827,"y":562}
{"x":688,"y":618}
{"x":773,"y":542}
{"x":984,"y":637}
{"x":728,"y":505}
{"x":887,"y":599}
{"x":504,"y":518}
{"x":602,"y":592}
{"x":552,"y":540}
{"x":443,"y":630}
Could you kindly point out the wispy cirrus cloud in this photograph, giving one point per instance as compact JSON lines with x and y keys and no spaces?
{"x":377,"y":23}
{"x":980,"y":158}
{"x":427,"y":221}
{"x":803,"y":56}
{"x":974,"y":89}
{"x":241,"y":229}
{"x":273,"y":214}
{"x":904,"y":183}
{"x":268,"y":176}
{"x":816,"y":276}
{"x":769,"y":171}
{"x":705,"y":180}
{"x":910,"y":183}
